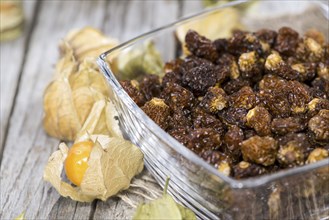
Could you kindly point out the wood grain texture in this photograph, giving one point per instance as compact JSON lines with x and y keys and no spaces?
{"x":27,"y":147}
{"x":12,"y":54}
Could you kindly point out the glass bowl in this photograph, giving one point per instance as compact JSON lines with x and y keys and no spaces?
{"x":298,"y":193}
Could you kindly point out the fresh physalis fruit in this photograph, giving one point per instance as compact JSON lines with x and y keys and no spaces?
{"x":218,"y":24}
{"x":163,"y":208}
{"x":111,"y":165}
{"x":76,"y":162}
{"x":144,"y":59}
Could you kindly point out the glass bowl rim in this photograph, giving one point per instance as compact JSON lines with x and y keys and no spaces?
{"x":172,"y":142}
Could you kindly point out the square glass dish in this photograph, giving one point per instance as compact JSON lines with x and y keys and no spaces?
{"x":297,"y":193}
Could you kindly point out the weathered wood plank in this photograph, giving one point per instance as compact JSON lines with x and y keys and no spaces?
{"x":27,"y":147}
{"x":12,"y":54}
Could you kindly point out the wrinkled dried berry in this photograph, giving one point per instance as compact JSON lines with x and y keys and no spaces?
{"x":323,"y":71}
{"x":201,"y":46}
{"x":181,"y":134}
{"x":234,"y":116}
{"x":319,"y":125}
{"x":232,"y":139}
{"x":267,"y":36}
{"x":228,"y":66}
{"x":219,"y":160}
{"x":286,"y":125}
{"x":291,"y":154}
{"x":177,"y":97}
{"x":158,"y":111}
{"x":203,"y":139}
{"x":172,"y":77}
{"x":260,"y":150}
{"x":201,"y":119}
{"x":133,"y":92}
{"x":304,"y":71}
{"x":298,"y":97}
{"x":243,"y":42}
{"x":150,"y":86}
{"x":301,"y":139}
{"x":235,"y":85}
{"x":315,"y":105}
{"x":244,"y":98}
{"x":259,"y":119}
{"x":286,"y":41}
{"x":214,"y":100}
{"x":315,"y":35}
{"x":180,"y":118}
{"x":276,"y":101}
{"x":173,"y":66}
{"x":274,"y":64}
{"x":322,"y":85}
{"x":200,"y":78}
{"x":309,"y":51}
{"x":250,"y":66}
{"x":245,"y":169}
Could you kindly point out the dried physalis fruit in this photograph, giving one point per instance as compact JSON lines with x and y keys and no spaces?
{"x":163,"y":208}
{"x":219,"y":24}
{"x":88,"y":42}
{"x":99,"y":167}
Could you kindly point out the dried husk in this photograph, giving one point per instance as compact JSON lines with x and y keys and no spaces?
{"x":113,"y":162}
{"x":144,"y":59}
{"x":12,"y":19}
{"x":77,"y":86}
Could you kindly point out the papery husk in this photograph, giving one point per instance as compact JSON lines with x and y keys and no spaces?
{"x":12,"y":19}
{"x":145,"y":59}
{"x":88,"y":42}
{"x":113,"y":162}
{"x":216,"y":25}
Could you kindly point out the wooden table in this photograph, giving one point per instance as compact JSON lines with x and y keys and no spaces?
{"x":27,"y":65}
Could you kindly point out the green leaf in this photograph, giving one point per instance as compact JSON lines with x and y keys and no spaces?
{"x":163,"y":208}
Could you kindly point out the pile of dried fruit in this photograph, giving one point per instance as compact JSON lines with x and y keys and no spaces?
{"x":250,"y":104}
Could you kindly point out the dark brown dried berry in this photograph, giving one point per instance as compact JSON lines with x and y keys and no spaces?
{"x":286,"y":41}
{"x":259,"y":119}
{"x":250,"y":66}
{"x":299,"y":96}
{"x":315,"y":105}
{"x":221,"y":45}
{"x":201,"y":119}
{"x":158,"y":111}
{"x":150,"y":86}
{"x":319,"y":125}
{"x":232,"y":139}
{"x":309,"y":51}
{"x":304,"y":71}
{"x":320,"y":84}
{"x":177,"y":97}
{"x":260,"y":150}
{"x":276,"y":101}
{"x":214,"y":100}
{"x":300,"y":139}
{"x":272,"y":82}
{"x":200,"y":78}
{"x":286,"y":125}
{"x":243,"y":42}
{"x":219,"y":160}
{"x":244,"y":98}
{"x":274,"y":64}
{"x":172,"y":77}
{"x":180,"y":118}
{"x":173,"y":66}
{"x":203,"y":139}
{"x":267,"y":36}
{"x":235,"y":85}
{"x":245,"y":169}
{"x":234,"y":116}
{"x":133,"y":92}
{"x":201,"y":46}
{"x":228,"y":66}
{"x":181,"y":134}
